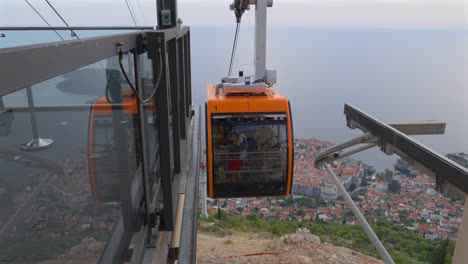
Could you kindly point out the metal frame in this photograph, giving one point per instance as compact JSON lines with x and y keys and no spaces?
{"x":391,"y":140}
{"x":32,"y":28}
{"x":168,"y":101}
{"x":173,"y":105}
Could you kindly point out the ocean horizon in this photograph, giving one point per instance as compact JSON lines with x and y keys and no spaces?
{"x":392,"y":74}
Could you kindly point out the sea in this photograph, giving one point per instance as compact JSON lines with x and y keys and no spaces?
{"x":392,"y":74}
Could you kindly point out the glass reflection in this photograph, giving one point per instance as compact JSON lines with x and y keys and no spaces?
{"x":48,"y":208}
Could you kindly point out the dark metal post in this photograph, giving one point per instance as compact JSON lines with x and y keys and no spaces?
{"x":188,"y":78}
{"x":2,"y":105}
{"x":182,"y":88}
{"x":174,"y":95}
{"x":36,"y":143}
{"x":166,"y":8}
{"x":157,"y":42}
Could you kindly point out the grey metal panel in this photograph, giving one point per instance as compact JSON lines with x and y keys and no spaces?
{"x":188,"y":239}
{"x":28,"y":65}
{"x":440,"y":165}
{"x":32,"y":28}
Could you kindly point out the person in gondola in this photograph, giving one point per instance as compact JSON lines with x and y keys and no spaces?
{"x":234,"y":163}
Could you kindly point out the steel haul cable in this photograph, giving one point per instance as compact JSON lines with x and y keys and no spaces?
{"x":39,"y":14}
{"x":58,"y":14}
{"x":234,"y":45}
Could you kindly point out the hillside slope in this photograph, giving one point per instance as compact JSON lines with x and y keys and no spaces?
{"x":300,"y":247}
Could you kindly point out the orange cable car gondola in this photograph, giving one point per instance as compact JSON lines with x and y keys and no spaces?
{"x":249,"y":134}
{"x":249,"y":144}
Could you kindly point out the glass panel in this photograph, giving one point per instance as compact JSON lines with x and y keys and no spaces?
{"x":61,"y":202}
{"x":146,"y":82}
{"x":250,"y":148}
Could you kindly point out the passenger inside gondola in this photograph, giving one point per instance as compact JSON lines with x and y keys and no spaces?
{"x":256,"y":150}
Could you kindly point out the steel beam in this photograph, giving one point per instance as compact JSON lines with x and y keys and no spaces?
{"x":44,"y":61}
{"x":429,"y":127}
{"x":440,"y":165}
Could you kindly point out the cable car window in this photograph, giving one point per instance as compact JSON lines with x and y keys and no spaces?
{"x":250,"y":151}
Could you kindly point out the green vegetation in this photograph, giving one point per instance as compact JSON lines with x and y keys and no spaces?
{"x":405,"y":246}
{"x":385,"y":176}
{"x":394,"y":186}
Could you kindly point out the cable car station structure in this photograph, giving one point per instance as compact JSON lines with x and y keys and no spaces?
{"x":141,"y":138}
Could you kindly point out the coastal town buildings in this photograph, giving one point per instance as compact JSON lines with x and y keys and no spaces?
{"x":417,"y":206}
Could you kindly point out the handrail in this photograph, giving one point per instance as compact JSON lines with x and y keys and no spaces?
{"x":188,"y":238}
{"x":33,"y":28}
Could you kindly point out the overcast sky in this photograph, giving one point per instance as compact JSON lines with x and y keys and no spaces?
{"x":318,"y":13}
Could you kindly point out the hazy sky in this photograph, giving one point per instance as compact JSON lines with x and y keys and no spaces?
{"x":319,"y":13}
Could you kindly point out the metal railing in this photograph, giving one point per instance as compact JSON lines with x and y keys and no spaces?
{"x":148,"y":195}
{"x":393,"y":138}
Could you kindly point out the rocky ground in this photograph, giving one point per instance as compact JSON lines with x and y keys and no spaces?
{"x":87,"y":252}
{"x":300,"y":247}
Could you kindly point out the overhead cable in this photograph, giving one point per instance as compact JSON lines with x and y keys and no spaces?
{"x":131,"y":14}
{"x":234,"y":45}
{"x":143,"y":13}
{"x":133,"y":11}
{"x":65,"y":22}
{"x":39,"y":14}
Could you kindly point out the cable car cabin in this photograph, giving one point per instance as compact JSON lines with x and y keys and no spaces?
{"x":249,"y":144}
{"x":104,"y":149}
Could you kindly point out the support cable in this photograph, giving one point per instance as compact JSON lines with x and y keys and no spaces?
{"x":133,"y":11}
{"x":362,"y":221}
{"x":234,"y":46}
{"x":39,"y":14}
{"x":131,"y":14}
{"x":73,"y":34}
{"x":141,"y":10}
